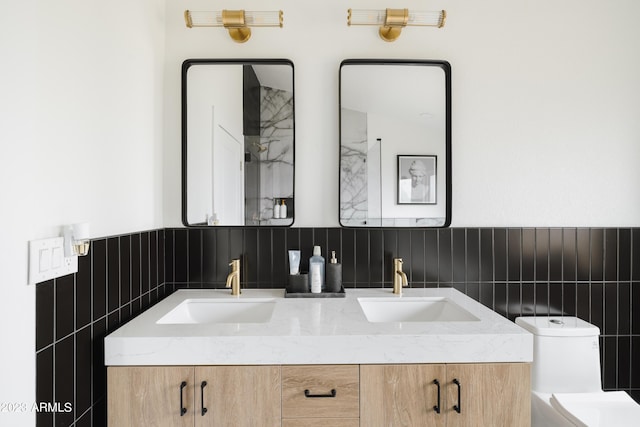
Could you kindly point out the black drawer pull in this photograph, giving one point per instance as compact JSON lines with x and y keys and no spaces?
{"x":203,"y":384}
{"x":183,"y":410}
{"x":437,"y":407}
{"x":307,"y":393}
{"x":459,"y":405}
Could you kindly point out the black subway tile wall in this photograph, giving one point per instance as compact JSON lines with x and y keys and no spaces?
{"x":593,"y":273}
{"x":119,"y":278}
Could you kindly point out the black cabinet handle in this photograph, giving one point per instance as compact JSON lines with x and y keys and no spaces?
{"x":459,"y":405}
{"x":437,"y":407}
{"x":333,"y":393}
{"x":183,"y":410}
{"x":203,"y":384}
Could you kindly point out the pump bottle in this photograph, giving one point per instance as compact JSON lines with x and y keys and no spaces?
{"x":316,"y":271}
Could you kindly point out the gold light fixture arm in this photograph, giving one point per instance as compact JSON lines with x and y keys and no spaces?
{"x":235,"y":22}
{"x":394,"y":22}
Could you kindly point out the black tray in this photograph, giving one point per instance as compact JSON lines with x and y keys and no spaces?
{"x":339,"y":294}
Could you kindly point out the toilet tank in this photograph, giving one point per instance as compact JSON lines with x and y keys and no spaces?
{"x":566,"y":354}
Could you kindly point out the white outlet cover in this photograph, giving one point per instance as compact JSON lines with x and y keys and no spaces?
{"x":47,"y":260}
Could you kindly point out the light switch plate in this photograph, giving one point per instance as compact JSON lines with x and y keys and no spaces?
{"x":47,"y":260}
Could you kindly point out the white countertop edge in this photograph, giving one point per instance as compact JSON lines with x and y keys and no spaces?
{"x":302,"y":351}
{"x":493,"y":339}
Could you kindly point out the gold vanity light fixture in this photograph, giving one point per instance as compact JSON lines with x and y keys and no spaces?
{"x":237,"y":22}
{"x":392,"y":21}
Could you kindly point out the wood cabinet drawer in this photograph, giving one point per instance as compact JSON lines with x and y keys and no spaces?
{"x":307,"y":391}
{"x":321,"y":422}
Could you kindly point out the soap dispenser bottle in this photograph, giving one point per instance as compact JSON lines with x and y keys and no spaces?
{"x":316,"y":271}
{"x":283,"y":209}
{"x":334,"y":274}
{"x":276,"y":209}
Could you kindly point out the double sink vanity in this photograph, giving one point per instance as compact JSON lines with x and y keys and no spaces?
{"x":426,"y":357}
{"x":371,"y":357}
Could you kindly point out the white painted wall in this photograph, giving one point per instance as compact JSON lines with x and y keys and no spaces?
{"x":546,"y":100}
{"x":80,"y":140}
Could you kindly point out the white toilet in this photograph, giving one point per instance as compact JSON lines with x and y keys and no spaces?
{"x":565,"y":377}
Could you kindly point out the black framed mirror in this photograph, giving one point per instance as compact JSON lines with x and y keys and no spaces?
{"x":395,"y":143}
{"x":238,"y":142}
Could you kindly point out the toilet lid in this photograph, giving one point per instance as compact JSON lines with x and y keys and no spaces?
{"x":603,"y":409}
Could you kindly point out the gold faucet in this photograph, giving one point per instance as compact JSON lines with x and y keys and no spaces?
{"x":399,"y":278}
{"x":233,"y":279}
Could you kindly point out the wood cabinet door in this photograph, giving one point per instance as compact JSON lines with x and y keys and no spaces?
{"x":401,"y":395}
{"x":150,"y":396}
{"x":491,"y":394}
{"x":238,"y":396}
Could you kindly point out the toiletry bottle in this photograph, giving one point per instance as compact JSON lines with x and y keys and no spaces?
{"x":316,"y":271}
{"x":334,"y":274}
{"x":276,"y":210}
{"x":294,"y":262}
{"x":283,"y":209}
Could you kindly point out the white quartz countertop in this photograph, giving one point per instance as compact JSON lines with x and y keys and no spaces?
{"x":318,"y":331}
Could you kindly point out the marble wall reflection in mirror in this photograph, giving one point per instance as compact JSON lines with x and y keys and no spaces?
{"x":237,"y":142}
{"x":395,"y":143}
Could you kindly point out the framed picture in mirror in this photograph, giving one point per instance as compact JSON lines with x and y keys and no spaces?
{"x":417,"y":180}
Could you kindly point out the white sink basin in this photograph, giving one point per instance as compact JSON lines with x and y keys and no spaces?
{"x":220,"y":310}
{"x":414,"y":309}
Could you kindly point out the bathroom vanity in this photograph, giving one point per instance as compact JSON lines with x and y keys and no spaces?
{"x":428,"y":357}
